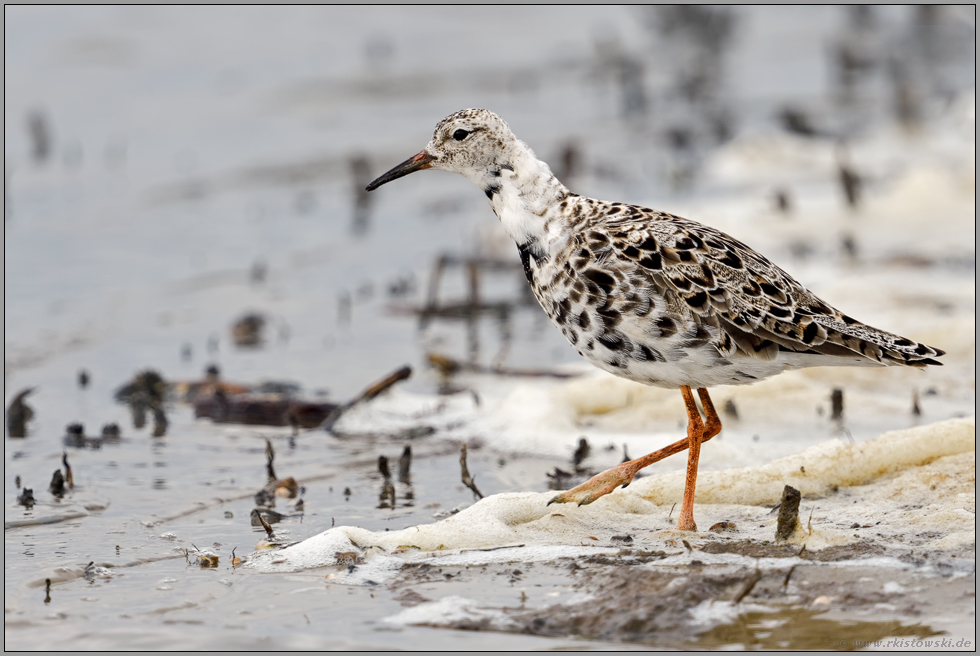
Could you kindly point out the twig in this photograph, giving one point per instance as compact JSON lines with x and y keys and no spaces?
{"x":503,"y":546}
{"x":747,"y":588}
{"x":405,"y":465}
{"x":449,"y":366}
{"x":789,"y":574}
{"x":366,"y":395}
{"x":265,"y":524}
{"x":270,"y":455}
{"x":465,"y":473}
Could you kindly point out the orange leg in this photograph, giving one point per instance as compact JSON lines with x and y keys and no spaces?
{"x":621,"y":475}
{"x":695,"y":431}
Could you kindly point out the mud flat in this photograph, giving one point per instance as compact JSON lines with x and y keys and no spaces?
{"x":886,"y":537}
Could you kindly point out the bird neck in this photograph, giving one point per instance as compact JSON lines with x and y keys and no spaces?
{"x":525,"y":195}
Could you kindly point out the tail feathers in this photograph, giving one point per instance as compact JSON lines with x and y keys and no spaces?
{"x":874,"y":343}
{"x":831,"y":337}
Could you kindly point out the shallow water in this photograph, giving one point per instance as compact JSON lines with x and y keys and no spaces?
{"x":200,"y":165}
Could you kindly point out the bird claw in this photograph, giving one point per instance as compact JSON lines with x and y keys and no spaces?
{"x":596,"y":487}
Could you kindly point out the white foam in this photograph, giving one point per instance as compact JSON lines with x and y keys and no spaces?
{"x":910,"y":487}
{"x":710,"y":612}
{"x":450,"y":611}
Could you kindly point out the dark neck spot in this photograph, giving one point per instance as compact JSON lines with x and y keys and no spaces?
{"x":528,"y":250}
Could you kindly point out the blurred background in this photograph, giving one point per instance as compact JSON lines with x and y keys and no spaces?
{"x":184,"y":189}
{"x":168,"y":170}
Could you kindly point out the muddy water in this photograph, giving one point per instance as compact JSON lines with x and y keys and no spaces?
{"x":168,"y":170}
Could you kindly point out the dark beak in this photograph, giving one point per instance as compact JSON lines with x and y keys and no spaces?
{"x":421,"y":161}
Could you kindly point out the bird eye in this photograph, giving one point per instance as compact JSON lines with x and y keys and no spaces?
{"x":459,"y":135}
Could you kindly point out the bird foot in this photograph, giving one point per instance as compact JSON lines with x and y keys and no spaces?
{"x":598,"y":486}
{"x":687,"y":524}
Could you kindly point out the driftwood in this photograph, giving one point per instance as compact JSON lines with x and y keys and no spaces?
{"x":262,"y":410}
{"x":368,"y":394}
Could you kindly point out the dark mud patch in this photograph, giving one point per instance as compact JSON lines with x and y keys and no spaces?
{"x":753,"y":549}
{"x":632,"y":605}
{"x":626,"y":557}
{"x":844,"y":552}
{"x":614,"y":598}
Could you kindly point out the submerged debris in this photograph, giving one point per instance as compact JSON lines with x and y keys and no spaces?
{"x":271,"y":539}
{"x":19,"y":413}
{"x":267,"y":514}
{"x":783,"y":202}
{"x":360,"y":169}
{"x":581,"y":453}
{"x":146,"y":392}
{"x":272,"y":403}
{"x":149,"y":383}
{"x":797,"y":121}
{"x":275,"y":487}
{"x":405,"y":465}
{"x":26,"y":498}
{"x":39,"y":131}
{"x":265,"y":498}
{"x":75,"y":437}
{"x":261,"y":410}
{"x":849,"y":179}
{"x":270,"y":456}
{"x":160,"y":422}
{"x":288,"y":487}
{"x":247,"y":332}
{"x":837,"y":404}
{"x":191,"y":392}
{"x":558,"y":479}
{"x":386,"y":498}
{"x":57,"y":487}
{"x":205,"y":559}
{"x":69,"y":478}
{"x":257,"y":517}
{"x":789,"y":514}
{"x":465,"y":474}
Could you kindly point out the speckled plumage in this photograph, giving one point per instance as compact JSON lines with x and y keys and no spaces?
{"x":650,"y":296}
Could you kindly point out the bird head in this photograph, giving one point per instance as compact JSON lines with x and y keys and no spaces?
{"x":471,"y":142}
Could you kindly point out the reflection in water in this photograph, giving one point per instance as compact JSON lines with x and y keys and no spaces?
{"x":39,"y":131}
{"x":473,"y":308}
{"x":405,"y":465}
{"x":386,"y":498}
{"x":360,"y":169}
{"x":804,"y":628}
